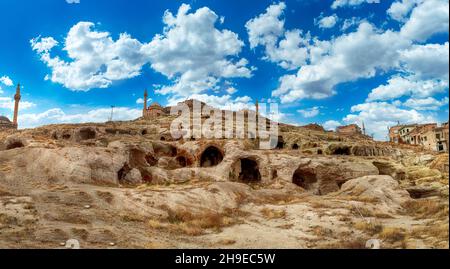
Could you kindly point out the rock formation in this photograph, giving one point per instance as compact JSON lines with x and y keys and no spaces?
{"x":131,"y":185}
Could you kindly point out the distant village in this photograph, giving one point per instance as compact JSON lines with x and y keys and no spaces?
{"x":430,"y":135}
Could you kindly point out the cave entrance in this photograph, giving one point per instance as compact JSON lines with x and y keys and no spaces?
{"x":212,"y":156}
{"x":15,"y":145}
{"x":151,"y":160}
{"x":341,"y":151}
{"x":249,"y":171}
{"x":182,"y":161}
{"x":280,"y":144}
{"x":305,"y":178}
{"x":87,"y":133}
{"x":295,"y":147}
{"x":122,"y":173}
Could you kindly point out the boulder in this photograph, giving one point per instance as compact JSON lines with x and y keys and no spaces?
{"x":383,"y":189}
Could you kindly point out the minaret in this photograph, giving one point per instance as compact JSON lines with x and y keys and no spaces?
{"x":257,"y":107}
{"x":364,"y":128}
{"x":16,"y":105}
{"x":145,"y":101}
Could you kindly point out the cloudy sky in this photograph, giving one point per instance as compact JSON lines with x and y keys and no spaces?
{"x":330,"y":62}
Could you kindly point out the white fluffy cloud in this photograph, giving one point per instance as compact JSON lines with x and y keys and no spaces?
{"x":194,"y":53}
{"x":327,"y":22}
{"x":344,"y":3}
{"x":286,"y":48}
{"x":399,"y":86}
{"x":363,"y":53}
{"x":378,"y":116}
{"x":331,"y":125}
{"x":96,"y":59}
{"x":430,"y":61}
{"x":73,"y":1}
{"x":226,"y":102}
{"x":429,"y":103}
{"x":140,"y":101}
{"x":57,"y":116}
{"x":428,"y":18}
{"x":5,"y":80}
{"x":350,"y":57}
{"x":310,"y":112}
{"x":400,"y":10}
{"x":8,"y":103}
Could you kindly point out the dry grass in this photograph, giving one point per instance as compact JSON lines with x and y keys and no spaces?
{"x":426,"y":208}
{"x":440,"y":231}
{"x":358,"y":243}
{"x":366,"y":212}
{"x":322,"y":232}
{"x":270,"y":214}
{"x":369,"y":227}
{"x":182,"y":221}
{"x":393,"y":234}
{"x":106,"y":196}
{"x":227,"y":242}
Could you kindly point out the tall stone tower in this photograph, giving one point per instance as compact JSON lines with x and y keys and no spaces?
{"x":145,"y":101}
{"x":16,"y":104}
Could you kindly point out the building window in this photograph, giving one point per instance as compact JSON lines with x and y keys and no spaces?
{"x":438,"y":136}
{"x":440,"y":147}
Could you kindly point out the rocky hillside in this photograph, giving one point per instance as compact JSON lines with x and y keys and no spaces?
{"x":130,"y":185}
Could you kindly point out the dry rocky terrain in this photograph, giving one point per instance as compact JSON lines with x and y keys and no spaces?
{"x":129,"y":185}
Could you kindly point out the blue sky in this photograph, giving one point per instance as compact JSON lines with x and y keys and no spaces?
{"x":330,"y":61}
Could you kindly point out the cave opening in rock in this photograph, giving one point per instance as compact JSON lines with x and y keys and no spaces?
{"x":320,"y":152}
{"x":274,"y":174}
{"x":305,"y":178}
{"x":151,"y":160}
{"x":122,"y":173}
{"x":144,"y":132}
{"x":15,"y":145}
{"x":341,"y":151}
{"x":66,"y":136}
{"x":87,"y":133}
{"x":295,"y":147}
{"x":249,"y":171}
{"x":163,"y":138}
{"x":212,"y":156}
{"x":182,"y":161}
{"x":280,"y":144}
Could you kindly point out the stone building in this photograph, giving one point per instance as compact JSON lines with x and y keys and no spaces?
{"x":405,"y":131}
{"x":415,"y":136}
{"x":394,"y":134}
{"x":429,"y":135}
{"x":5,"y":123}
{"x":351,"y":129}
{"x":153,"y":111}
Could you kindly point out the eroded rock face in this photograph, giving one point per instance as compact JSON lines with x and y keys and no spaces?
{"x":120,"y":182}
{"x":384,"y":189}
{"x":323,"y":176}
{"x":395,"y":170}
